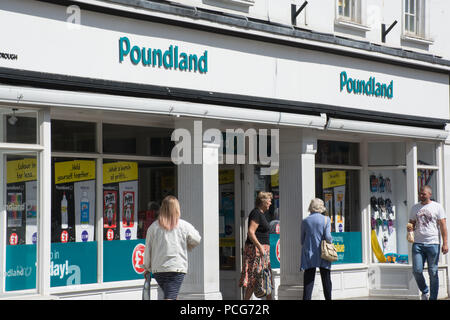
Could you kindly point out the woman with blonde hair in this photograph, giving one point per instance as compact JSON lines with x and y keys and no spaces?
{"x":315,"y":228}
{"x":257,"y":245}
{"x":168,"y":240}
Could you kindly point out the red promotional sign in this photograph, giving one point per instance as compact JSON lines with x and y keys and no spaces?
{"x":13,"y":239}
{"x":110,"y":234}
{"x":138,"y":258}
{"x":278,"y":250}
{"x":64,"y":236}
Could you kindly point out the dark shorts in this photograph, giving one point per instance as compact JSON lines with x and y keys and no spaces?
{"x":170,"y":283}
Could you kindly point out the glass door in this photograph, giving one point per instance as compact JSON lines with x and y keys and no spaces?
{"x":229,"y":230}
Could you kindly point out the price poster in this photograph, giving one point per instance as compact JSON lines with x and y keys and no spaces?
{"x":73,"y":197}
{"x":21,"y":204}
{"x":120,"y":200}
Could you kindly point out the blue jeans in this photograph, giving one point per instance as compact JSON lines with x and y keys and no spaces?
{"x":430,"y":253}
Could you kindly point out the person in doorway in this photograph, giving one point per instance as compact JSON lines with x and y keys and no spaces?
{"x":427,"y":217}
{"x":257,"y":245}
{"x":315,"y":228}
{"x":168,"y":240}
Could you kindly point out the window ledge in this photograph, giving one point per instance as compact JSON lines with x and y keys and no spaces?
{"x":351,"y":25}
{"x":417,"y":39}
{"x":247,"y":3}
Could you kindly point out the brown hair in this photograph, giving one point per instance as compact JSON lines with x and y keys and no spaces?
{"x":169,"y":213}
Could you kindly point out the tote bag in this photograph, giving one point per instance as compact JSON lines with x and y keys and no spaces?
{"x":328,"y":250}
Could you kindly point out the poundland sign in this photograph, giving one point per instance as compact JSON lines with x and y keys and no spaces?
{"x":171,"y":58}
{"x":368,"y":87}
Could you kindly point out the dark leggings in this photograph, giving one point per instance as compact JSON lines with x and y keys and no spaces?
{"x":308,"y":283}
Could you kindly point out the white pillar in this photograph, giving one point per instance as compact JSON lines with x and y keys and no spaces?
{"x":297,"y":188}
{"x":446,"y":198}
{"x":198,"y":193}
{"x":44,"y":219}
{"x":411,"y":199}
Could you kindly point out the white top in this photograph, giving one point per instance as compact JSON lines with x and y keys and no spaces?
{"x":427,"y":222}
{"x":166,"y":251}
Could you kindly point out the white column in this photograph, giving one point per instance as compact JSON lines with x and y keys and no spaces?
{"x":44,"y":218}
{"x":411,"y":198}
{"x":297,"y":188}
{"x":198,"y":192}
{"x":446,"y":198}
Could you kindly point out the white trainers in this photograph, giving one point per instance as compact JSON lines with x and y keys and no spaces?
{"x":425,"y":296}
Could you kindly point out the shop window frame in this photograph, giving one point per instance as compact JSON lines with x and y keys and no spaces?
{"x":354,"y":167}
{"x":99,"y":158}
{"x":356,"y":19}
{"x":420,"y":33}
{"x":41,"y":151}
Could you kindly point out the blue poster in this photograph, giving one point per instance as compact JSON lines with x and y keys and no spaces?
{"x":348,"y":246}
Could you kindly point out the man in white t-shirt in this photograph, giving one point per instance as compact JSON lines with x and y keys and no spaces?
{"x":427,"y":218}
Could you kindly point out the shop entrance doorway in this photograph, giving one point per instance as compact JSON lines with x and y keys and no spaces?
{"x":230,"y":230}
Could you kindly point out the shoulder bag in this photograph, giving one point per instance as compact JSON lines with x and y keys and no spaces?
{"x":328,"y":250}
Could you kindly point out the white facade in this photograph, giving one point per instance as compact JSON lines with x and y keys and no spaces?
{"x":86,"y":63}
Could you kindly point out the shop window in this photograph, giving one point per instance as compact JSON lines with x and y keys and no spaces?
{"x":21,"y":125}
{"x":426,"y":153}
{"x":132,"y":194}
{"x":387,"y":154}
{"x":227,"y":223}
{"x":427,"y":168}
{"x":270,"y":183}
{"x":340,"y":189}
{"x":388,"y":208}
{"x":134,"y":140}
{"x":388,"y":215}
{"x":21,"y":206}
{"x":338,"y":153}
{"x":74,"y":246}
{"x":73,"y":136}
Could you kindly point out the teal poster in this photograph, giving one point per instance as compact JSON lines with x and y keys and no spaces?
{"x":20,"y":267}
{"x":274,"y":250}
{"x":348,"y":246}
{"x":122,"y":260}
{"x":73,"y":263}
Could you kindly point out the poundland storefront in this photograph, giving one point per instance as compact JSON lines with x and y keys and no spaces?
{"x":87,"y":152}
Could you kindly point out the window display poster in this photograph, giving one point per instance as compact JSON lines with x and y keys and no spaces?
{"x":31,"y":212}
{"x":274,"y":250}
{"x":348,"y":246}
{"x":333,"y":183}
{"x":128,"y":210}
{"x":73,"y":201}
{"x":110,"y":212}
{"x":328,"y":200}
{"x":21,"y":208}
{"x":120,"y":200}
{"x":339,"y":205}
{"x":84,"y":195}
{"x":73,"y":263}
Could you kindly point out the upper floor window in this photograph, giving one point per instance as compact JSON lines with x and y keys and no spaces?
{"x":349,"y":10}
{"x":414,"y":17}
